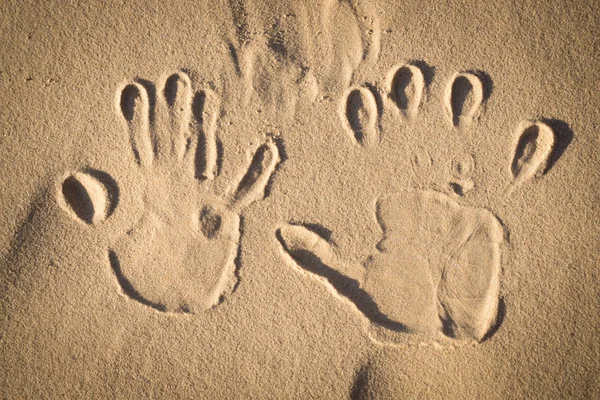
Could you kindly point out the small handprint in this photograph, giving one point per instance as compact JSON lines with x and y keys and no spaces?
{"x":180,"y":255}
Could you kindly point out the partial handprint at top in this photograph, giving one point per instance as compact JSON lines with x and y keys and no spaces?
{"x":180,"y":255}
{"x":436,"y":272}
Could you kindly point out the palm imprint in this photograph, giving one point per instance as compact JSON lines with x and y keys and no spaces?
{"x":180,"y":255}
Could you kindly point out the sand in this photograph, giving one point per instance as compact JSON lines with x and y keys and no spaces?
{"x":246,"y":199}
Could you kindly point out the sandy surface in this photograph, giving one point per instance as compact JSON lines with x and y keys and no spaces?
{"x":299,"y":200}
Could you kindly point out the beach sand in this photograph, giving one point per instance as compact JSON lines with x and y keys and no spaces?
{"x":289,"y":200}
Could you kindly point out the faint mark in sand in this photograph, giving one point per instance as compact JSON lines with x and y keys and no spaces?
{"x":359,"y":115}
{"x":309,"y":50}
{"x":180,"y":255}
{"x":437,"y":269}
{"x":347,"y":44}
{"x":461,"y":169}
{"x":269,"y":54}
{"x":240,"y":19}
{"x":457,"y":180}
{"x":421,"y":163}
{"x":89,"y":196}
{"x":463,"y":166}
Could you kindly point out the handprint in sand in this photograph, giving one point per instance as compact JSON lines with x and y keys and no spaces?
{"x":436,"y":270}
{"x":180,"y":255}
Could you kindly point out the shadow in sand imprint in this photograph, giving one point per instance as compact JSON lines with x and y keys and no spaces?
{"x":427,"y":70}
{"x":563,"y":136}
{"x":127,"y":287}
{"x":469,"y":90}
{"x":151,"y":91}
{"x":91,"y":195}
{"x":345,"y":286}
{"x":361,"y":385}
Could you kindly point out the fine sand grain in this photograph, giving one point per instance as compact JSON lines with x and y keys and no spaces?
{"x":299,"y":199}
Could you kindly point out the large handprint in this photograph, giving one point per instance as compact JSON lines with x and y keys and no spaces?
{"x":436,"y":271}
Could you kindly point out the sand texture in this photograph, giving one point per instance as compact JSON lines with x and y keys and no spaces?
{"x":299,"y":200}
